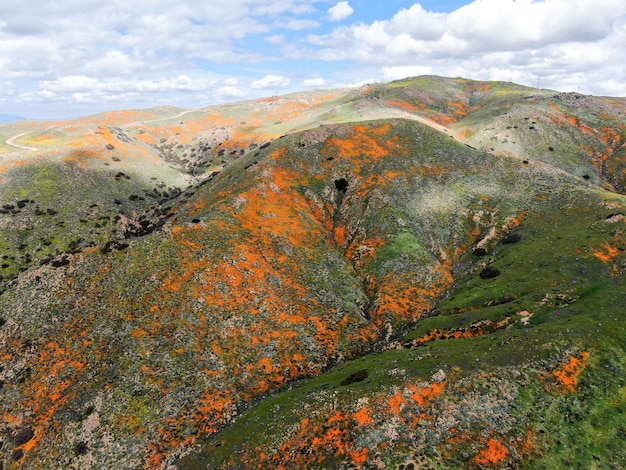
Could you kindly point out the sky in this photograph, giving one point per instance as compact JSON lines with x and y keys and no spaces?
{"x":70,"y":58}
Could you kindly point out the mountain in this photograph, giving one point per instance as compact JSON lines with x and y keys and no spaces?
{"x":4,"y":118}
{"x":424,"y":273}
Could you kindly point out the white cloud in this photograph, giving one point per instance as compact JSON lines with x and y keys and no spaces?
{"x":229,"y":91}
{"x":555,"y":39}
{"x":314,"y":82}
{"x":271,"y":82}
{"x":418,"y":23}
{"x":276,"y":39}
{"x":340,"y":11}
{"x":195,"y":53}
{"x":402,"y":71}
{"x":81,"y":83}
{"x":83,"y":98}
{"x":299,"y":25}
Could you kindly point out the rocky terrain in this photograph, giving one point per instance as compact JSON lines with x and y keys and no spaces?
{"x":427,"y":273}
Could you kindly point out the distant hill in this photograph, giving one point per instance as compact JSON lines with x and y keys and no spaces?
{"x":426,"y":273}
{"x":5,"y":118}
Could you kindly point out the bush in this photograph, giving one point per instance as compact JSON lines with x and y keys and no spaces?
{"x":358,"y":376}
{"x":341,"y":185}
{"x":489,"y":272}
{"x":80,"y":448}
{"x":512,"y":238}
{"x":479,"y":252}
{"x":24,"y":435}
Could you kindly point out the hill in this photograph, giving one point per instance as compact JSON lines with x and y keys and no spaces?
{"x":427,"y":272}
{"x":4,"y":118}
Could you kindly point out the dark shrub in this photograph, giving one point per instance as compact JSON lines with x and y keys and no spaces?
{"x":358,"y":376}
{"x":341,"y":185}
{"x":479,"y":252}
{"x":60,"y":262}
{"x":24,"y":435}
{"x":80,"y":448}
{"x":512,"y":238}
{"x":489,"y":272}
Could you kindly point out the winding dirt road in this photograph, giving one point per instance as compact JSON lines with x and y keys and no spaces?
{"x":19,"y":146}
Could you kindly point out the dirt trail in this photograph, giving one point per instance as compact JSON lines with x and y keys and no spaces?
{"x":430,"y":123}
{"x":10,"y":142}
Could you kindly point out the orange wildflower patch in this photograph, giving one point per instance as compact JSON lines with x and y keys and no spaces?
{"x":276,"y":210}
{"x":57,"y":366}
{"x":460,"y":108}
{"x":567,"y":376}
{"x":401,"y":299}
{"x":211,"y":412}
{"x":340,"y":234}
{"x":607,"y":253}
{"x":364,"y":142}
{"x":395,"y":403}
{"x":444,"y":120}
{"x":424,"y":395}
{"x":363,"y":416}
{"x":334,"y":436}
{"x":494,"y":454}
{"x":404,"y":105}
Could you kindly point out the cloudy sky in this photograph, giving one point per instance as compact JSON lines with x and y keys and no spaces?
{"x":68,"y":58}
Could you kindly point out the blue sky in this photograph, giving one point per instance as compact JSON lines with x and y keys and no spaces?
{"x":75,"y":57}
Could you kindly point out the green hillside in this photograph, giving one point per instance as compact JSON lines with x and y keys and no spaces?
{"x":427,"y":273}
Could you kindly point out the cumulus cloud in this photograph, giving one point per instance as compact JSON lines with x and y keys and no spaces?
{"x":184,"y":52}
{"x":79,"y":83}
{"x":229,"y":91}
{"x":489,"y":38}
{"x":314,"y":82}
{"x":340,"y":11}
{"x":137,"y":51}
{"x":481,"y":26}
{"x":299,"y":25}
{"x":271,"y":82}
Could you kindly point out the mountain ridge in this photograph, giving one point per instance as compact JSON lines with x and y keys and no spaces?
{"x":166,"y":269}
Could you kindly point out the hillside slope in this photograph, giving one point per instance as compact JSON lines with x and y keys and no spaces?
{"x":429,"y":271}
